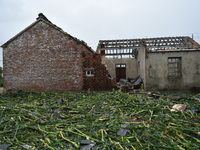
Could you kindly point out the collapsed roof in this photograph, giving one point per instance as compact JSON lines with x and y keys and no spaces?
{"x":126,"y":47}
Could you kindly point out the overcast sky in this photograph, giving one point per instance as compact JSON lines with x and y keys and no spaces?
{"x":94,"y":20}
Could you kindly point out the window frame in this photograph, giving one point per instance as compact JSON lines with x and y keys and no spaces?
{"x":120,"y":66}
{"x":89,"y":72}
{"x":174,"y":67}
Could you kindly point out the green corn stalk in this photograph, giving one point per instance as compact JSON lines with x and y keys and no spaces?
{"x":87,"y":137}
{"x":151,"y":111}
{"x":138,"y":141}
{"x":47,"y":144}
{"x":120,"y":146}
{"x":76,"y":145}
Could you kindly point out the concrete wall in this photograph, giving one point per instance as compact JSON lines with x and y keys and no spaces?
{"x":43,"y":58}
{"x":157,"y":70}
{"x":141,"y":65}
{"x":131,"y":66}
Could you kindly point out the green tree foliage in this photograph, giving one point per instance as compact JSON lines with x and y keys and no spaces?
{"x":1,"y":76}
{"x":1,"y":72}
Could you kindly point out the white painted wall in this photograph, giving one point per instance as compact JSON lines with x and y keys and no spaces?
{"x":157,"y":75}
{"x":131,"y":66}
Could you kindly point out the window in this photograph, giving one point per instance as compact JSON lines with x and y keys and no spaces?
{"x":90,"y":72}
{"x":174,"y":66}
{"x":121,"y":66}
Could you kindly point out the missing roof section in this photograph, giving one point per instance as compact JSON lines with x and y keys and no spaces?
{"x":125,"y":47}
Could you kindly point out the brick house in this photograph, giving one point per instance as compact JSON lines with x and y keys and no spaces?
{"x":44,"y":57}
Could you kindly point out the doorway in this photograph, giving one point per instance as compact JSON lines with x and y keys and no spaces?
{"x":120,"y":71}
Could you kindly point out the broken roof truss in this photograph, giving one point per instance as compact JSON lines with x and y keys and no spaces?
{"x":128,"y":47}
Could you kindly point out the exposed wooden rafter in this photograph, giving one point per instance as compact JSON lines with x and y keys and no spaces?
{"x":125,"y":46}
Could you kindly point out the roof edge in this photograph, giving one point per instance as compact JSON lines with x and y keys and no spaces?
{"x":43,"y":18}
{"x":18,"y":34}
{"x":153,"y":38}
{"x":177,"y":50}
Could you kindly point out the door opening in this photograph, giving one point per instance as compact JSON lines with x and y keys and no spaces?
{"x":120,"y":71}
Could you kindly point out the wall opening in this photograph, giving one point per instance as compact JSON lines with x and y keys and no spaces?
{"x":174,"y":66}
{"x":120,"y":71}
{"x":89,"y":72}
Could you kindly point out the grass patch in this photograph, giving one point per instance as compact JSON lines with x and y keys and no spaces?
{"x":112,"y":120}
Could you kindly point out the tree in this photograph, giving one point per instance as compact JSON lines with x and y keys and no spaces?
{"x":1,"y":72}
{"x":1,"y":77}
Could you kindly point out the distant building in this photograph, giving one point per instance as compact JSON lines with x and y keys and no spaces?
{"x":44,"y":57}
{"x":166,"y":63}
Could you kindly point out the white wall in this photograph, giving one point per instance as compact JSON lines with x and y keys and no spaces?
{"x":131,"y":66}
{"x":157,"y":74}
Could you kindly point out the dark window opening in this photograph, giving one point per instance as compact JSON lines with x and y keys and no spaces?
{"x":90,"y":72}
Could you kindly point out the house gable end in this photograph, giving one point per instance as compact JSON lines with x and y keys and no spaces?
{"x":42,"y":57}
{"x":42,"y":18}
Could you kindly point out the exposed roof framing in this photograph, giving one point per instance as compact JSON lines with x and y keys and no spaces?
{"x":151,"y":44}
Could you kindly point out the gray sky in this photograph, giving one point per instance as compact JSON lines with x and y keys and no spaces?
{"x":94,"y":20}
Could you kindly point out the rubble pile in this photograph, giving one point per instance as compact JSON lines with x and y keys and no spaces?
{"x":128,"y":85}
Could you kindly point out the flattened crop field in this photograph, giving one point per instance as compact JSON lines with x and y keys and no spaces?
{"x":90,"y":120}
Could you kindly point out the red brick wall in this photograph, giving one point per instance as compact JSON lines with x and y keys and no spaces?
{"x":100,"y":81}
{"x":43,"y":58}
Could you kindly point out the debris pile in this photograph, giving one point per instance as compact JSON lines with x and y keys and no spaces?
{"x":130,"y":84}
{"x":112,"y":120}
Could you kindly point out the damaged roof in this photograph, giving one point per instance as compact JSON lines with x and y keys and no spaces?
{"x":151,"y":44}
{"x":42,"y":17}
